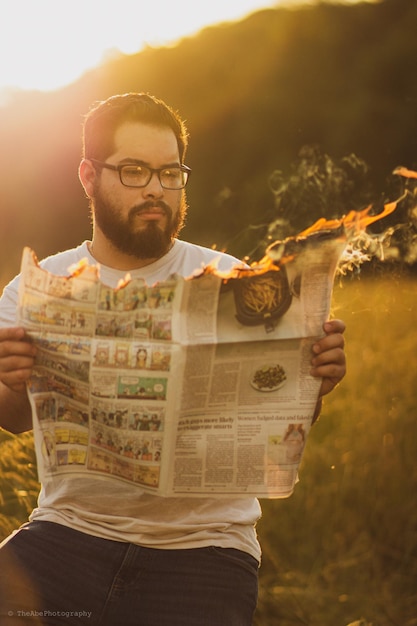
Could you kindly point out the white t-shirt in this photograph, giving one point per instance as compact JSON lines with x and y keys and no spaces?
{"x":111,"y":509}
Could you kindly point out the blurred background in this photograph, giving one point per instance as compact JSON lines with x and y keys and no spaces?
{"x":289,"y":94}
{"x":253,"y":92}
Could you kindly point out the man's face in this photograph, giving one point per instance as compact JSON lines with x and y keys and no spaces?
{"x":139,"y":222}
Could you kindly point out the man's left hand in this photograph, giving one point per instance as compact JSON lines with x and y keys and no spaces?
{"x":329,"y":360}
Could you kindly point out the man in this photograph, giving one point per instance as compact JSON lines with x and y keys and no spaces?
{"x":100,"y":551}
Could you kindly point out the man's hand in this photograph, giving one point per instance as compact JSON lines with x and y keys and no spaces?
{"x":17,"y":355}
{"x":329,"y":360}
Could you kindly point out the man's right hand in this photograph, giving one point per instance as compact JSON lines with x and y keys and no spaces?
{"x":17,"y":355}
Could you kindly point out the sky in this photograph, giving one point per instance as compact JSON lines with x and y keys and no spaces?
{"x":46,"y":44}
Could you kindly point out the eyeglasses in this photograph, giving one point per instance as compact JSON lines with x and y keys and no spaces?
{"x":132,"y":175}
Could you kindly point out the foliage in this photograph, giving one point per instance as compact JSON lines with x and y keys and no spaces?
{"x":319,"y":186}
{"x":19,"y":487}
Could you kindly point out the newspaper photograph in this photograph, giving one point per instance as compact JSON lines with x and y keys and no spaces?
{"x":191,"y":387}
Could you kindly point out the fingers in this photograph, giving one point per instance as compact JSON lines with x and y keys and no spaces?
{"x":17,"y":354}
{"x":329,"y":359}
{"x":330,"y":348}
{"x":12,"y":334}
{"x":333,"y":338}
{"x":334,"y":326}
{"x":333,"y":368}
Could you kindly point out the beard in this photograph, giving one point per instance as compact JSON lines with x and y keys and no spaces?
{"x":150,"y":242}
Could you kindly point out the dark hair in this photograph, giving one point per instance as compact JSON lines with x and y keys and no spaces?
{"x":104,"y":118}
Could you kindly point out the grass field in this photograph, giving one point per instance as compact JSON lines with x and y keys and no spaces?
{"x":344,"y":546}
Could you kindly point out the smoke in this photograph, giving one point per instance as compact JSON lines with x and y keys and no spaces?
{"x":328,"y":192}
{"x":392,"y":243}
{"x":320,"y":186}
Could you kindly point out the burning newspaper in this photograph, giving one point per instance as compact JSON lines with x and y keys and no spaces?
{"x":190,"y":387}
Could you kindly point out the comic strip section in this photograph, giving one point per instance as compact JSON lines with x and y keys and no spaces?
{"x":102,"y":378}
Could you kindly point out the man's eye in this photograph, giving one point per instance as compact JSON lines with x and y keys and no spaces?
{"x":172,"y":173}
{"x":134,"y":170}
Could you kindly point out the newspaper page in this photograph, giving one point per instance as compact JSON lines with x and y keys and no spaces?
{"x":191,"y":387}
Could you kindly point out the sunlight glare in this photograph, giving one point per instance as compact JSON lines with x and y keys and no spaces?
{"x":45,"y":44}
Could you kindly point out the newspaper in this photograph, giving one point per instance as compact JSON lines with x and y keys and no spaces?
{"x":190,"y":387}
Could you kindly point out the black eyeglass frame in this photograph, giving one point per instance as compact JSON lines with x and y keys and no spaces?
{"x":118,"y":168}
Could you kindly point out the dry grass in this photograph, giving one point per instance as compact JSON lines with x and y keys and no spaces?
{"x":18,"y":480}
{"x":344,"y":547}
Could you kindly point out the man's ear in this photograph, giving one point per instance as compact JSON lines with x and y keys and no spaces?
{"x":87,"y":175}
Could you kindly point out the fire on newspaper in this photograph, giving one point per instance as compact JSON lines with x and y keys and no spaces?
{"x":190,"y":387}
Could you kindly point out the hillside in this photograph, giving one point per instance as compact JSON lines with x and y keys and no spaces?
{"x":253,"y":93}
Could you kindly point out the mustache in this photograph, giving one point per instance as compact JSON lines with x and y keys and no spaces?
{"x":148,"y":205}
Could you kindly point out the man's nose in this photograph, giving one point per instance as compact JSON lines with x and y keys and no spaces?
{"x":154,"y":187}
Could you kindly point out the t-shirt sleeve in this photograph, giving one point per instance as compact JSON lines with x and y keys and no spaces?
{"x":8,"y":304}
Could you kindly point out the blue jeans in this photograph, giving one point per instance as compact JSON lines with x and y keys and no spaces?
{"x":51,"y":575}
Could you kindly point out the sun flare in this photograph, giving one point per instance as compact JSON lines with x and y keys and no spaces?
{"x":45,"y":44}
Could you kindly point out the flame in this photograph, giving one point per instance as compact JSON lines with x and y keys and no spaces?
{"x":345,"y":228}
{"x":237,"y":271}
{"x":78,"y":268}
{"x":348,"y":228}
{"x":404,"y":171}
{"x":353,"y":222}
